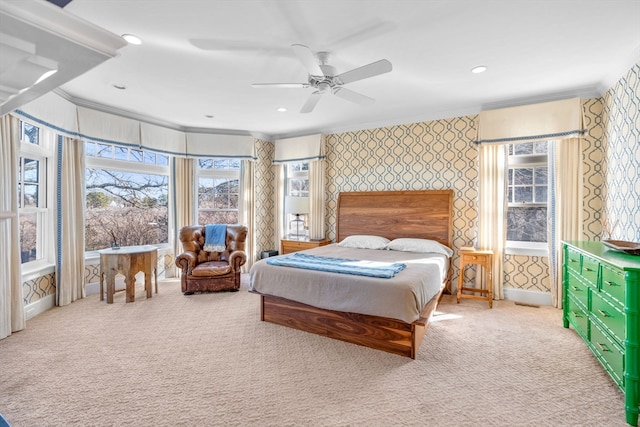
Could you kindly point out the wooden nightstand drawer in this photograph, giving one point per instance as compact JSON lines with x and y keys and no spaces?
{"x":475,"y":258}
{"x":289,"y":246}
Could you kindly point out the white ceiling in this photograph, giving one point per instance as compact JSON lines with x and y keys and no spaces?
{"x":535,"y":50}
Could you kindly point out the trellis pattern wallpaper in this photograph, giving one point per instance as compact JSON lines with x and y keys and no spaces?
{"x":264,"y":202}
{"x":432,"y":155}
{"x":621,"y":121}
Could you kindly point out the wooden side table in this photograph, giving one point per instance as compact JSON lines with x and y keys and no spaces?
{"x":128,"y":261}
{"x":288,"y":245}
{"x":483,"y":258}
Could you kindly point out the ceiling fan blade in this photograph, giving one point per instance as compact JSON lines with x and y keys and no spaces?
{"x":308,"y":59}
{"x":282,"y":85}
{"x":311,"y":102}
{"x":249,"y":47}
{"x":352,"y":96}
{"x":375,"y":68}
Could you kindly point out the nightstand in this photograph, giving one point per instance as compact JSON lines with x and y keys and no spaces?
{"x":482,"y":258}
{"x":287,"y":246}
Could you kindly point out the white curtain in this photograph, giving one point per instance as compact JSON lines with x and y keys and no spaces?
{"x":566,"y":204}
{"x":183,"y":192}
{"x":492,"y":209}
{"x":12,"y":316}
{"x":247,"y":213}
{"x":279,"y":206}
{"x":70,"y":214}
{"x":317,"y":197}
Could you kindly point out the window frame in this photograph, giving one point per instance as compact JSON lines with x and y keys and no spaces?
{"x":215,"y":173}
{"x":515,"y":247}
{"x":43,"y":151}
{"x":289,"y":175}
{"x":113,"y":164}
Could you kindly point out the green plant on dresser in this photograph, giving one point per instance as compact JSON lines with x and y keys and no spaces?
{"x":601,"y":301}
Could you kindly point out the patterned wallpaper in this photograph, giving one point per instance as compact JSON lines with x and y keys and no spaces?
{"x":433,"y":155}
{"x":440,"y":154}
{"x":264,"y":177}
{"x":621,"y":122}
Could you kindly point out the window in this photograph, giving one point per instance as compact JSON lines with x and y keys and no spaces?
{"x":126,"y":196}
{"x":218,"y":191}
{"x":297,"y":185}
{"x":33,"y":195}
{"x":527,"y":183}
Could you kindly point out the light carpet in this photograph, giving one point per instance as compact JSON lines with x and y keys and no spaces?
{"x":207,"y":360}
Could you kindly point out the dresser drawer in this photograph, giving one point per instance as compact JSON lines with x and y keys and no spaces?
{"x":609,"y":353}
{"x":577,"y":317}
{"x":613,"y":284}
{"x":590,"y":269}
{"x":577,"y":289}
{"x":608,"y":315}
{"x":573,"y":260}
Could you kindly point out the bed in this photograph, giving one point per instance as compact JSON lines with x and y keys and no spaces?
{"x":323,"y":302}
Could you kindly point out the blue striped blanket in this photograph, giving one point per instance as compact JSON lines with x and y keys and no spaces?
{"x":385,"y":270}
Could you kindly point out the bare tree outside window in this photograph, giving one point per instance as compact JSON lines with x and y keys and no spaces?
{"x":218,"y":191}
{"x":527,"y":186}
{"x":127,"y":206}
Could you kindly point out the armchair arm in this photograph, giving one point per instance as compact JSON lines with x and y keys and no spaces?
{"x":237,"y":259}
{"x":186,"y":261}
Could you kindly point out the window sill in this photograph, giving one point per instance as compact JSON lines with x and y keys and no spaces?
{"x":32,"y":272}
{"x":527,"y":250}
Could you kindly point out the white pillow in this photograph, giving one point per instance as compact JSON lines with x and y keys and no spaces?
{"x":363,"y":241}
{"x":419,"y":245}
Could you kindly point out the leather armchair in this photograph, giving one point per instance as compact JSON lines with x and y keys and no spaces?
{"x":204,"y":271}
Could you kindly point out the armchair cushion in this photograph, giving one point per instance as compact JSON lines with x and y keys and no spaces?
{"x":211,"y":268}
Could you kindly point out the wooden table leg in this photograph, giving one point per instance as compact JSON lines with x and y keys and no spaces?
{"x":130,"y":285}
{"x":111,"y":285}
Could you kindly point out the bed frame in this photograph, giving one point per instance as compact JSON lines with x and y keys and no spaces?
{"x":423,"y":214}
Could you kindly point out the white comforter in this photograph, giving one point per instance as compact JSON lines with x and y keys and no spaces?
{"x":401,"y":297}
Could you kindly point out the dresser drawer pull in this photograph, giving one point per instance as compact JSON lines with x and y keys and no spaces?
{"x":603,"y":313}
{"x":602,"y":347}
{"x":588,"y":269}
{"x":573,"y":260}
{"x":611,"y":283}
{"x":574,"y":288}
{"x":576,"y":315}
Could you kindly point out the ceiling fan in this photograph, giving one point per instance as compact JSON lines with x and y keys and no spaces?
{"x":324,"y":79}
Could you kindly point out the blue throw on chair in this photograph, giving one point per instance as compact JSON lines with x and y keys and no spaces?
{"x":215,"y":237}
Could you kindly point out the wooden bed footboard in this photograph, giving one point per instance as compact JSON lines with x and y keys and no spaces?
{"x":380,"y":333}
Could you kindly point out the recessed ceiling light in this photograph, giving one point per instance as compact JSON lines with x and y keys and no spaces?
{"x":281,"y":109}
{"x":132,"y":39}
{"x":119,"y":86}
{"x":479,"y":69}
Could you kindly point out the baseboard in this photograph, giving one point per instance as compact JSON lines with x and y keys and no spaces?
{"x":527,"y":297}
{"x":43,"y":304}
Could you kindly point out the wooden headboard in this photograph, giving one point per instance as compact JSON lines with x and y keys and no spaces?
{"x":424,"y":214}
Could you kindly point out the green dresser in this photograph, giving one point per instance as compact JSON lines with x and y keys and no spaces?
{"x":601,"y":301}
